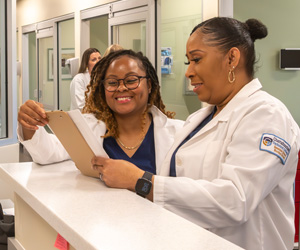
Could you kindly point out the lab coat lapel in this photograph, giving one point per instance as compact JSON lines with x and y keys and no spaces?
{"x":192,"y":122}
{"x":162,"y":136}
{"x":102,"y":130}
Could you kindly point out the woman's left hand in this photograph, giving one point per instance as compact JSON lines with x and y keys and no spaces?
{"x":117,"y":173}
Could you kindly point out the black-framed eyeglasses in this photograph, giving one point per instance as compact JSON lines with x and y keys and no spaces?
{"x":130,"y":82}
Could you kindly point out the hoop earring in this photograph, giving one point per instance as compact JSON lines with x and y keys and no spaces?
{"x":231,"y":76}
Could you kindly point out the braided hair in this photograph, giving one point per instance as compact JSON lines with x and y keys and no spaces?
{"x":95,"y":94}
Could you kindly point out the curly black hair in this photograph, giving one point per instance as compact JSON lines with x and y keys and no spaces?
{"x":95,"y":94}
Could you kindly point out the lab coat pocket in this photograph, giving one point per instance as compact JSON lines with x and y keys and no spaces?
{"x":212,"y":160}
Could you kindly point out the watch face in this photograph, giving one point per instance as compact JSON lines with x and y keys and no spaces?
{"x":143,"y":187}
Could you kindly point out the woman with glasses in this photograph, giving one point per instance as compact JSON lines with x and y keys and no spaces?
{"x":123,"y":108}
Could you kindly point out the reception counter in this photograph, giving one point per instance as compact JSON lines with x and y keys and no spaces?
{"x":57,"y":198}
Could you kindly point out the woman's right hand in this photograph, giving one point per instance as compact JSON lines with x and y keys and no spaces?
{"x":31,"y":115}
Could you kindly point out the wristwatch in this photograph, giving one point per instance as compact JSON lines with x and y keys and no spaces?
{"x":144,"y":184}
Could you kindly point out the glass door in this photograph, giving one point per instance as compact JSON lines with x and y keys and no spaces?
{"x":99,"y":33}
{"x":46,"y":47}
{"x":130,"y":23}
{"x":130,"y":35}
{"x":46,"y":69}
{"x":129,"y":29}
{"x":66,"y":51}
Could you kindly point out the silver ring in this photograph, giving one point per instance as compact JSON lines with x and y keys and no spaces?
{"x":101,"y":177}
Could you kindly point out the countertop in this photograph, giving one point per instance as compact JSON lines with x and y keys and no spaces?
{"x":90,"y":215}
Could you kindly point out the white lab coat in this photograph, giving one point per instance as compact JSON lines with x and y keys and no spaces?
{"x":45,"y":148}
{"x":225,"y":183}
{"x":77,"y":90}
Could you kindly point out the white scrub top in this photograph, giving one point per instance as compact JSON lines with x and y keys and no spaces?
{"x":77,"y":90}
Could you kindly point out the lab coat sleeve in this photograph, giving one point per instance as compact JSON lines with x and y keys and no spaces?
{"x":247,"y":175}
{"x":77,"y":91}
{"x":44,"y":148}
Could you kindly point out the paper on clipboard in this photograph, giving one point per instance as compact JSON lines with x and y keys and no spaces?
{"x":87,"y":133}
{"x":77,"y":138}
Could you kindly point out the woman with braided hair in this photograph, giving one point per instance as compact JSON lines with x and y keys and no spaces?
{"x":124,"y":110}
{"x":124,"y":93}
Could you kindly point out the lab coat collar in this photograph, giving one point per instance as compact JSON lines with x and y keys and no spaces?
{"x":249,"y":89}
{"x":196,"y":118}
{"x":242,"y":95}
{"x":159,"y":118}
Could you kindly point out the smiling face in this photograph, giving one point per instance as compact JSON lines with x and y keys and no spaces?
{"x":208,"y":71}
{"x":124,"y":101}
{"x":94,"y":58}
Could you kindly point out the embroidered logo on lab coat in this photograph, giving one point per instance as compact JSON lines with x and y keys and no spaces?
{"x":275,"y":145}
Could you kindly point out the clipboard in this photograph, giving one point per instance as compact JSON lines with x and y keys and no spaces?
{"x":65,"y":129}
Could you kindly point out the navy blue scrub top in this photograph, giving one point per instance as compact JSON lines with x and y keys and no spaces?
{"x":195,"y":131}
{"x":144,"y":157}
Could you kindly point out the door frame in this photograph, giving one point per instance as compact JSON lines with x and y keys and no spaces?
{"x":41,"y":34}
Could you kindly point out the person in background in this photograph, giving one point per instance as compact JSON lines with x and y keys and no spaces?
{"x":112,"y":48}
{"x":124,"y":110}
{"x":79,"y":83}
{"x":231,"y":168}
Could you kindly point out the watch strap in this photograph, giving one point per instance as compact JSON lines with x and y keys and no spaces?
{"x":147,"y":176}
